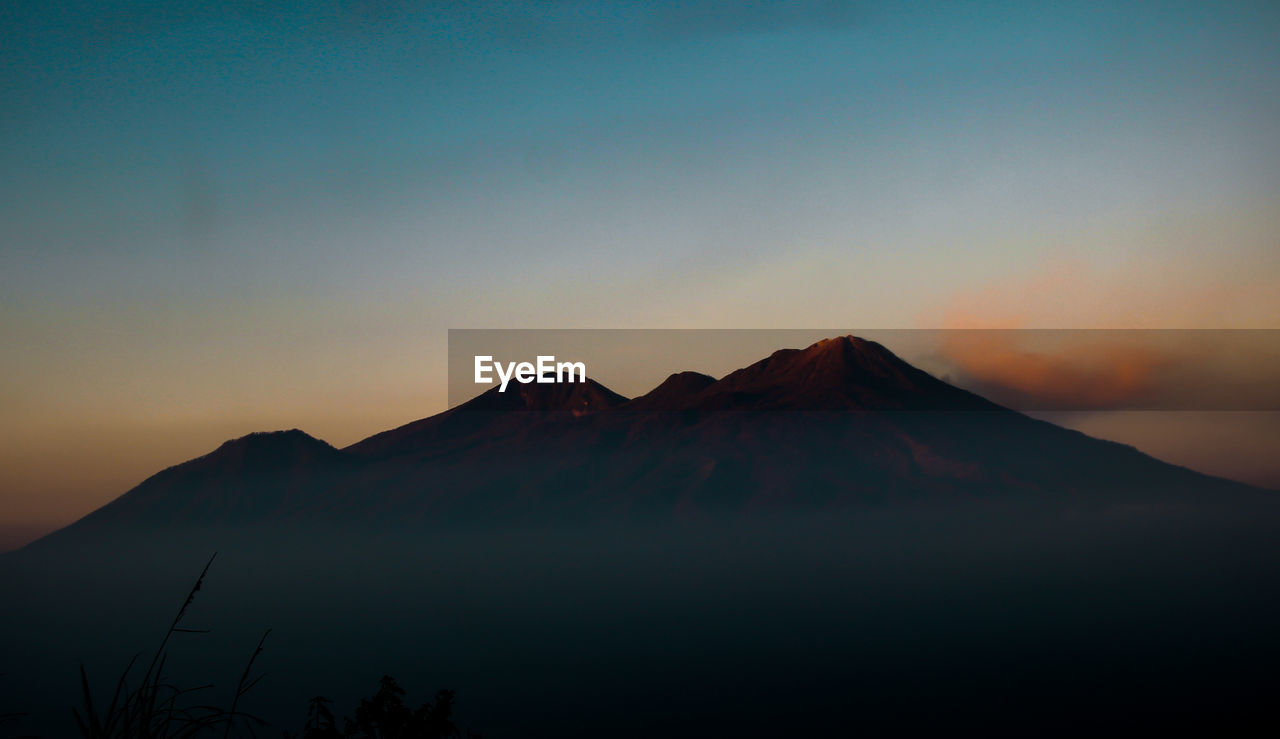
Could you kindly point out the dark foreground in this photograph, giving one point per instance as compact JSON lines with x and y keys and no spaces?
{"x":996,"y":620}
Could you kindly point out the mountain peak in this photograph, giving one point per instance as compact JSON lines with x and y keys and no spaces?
{"x":261,"y":446}
{"x":850,"y":348}
{"x":575,"y":397}
{"x":851,"y":354}
{"x":675,"y":393}
{"x":838,"y":373}
{"x":847,"y":342}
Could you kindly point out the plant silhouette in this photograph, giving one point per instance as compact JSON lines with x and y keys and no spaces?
{"x":155,"y":708}
{"x":384,"y":715}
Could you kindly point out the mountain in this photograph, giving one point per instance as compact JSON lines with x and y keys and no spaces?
{"x":243,"y":479}
{"x":844,"y":373}
{"x":843,"y":422}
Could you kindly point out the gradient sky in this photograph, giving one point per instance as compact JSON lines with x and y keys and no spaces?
{"x":220,"y":217}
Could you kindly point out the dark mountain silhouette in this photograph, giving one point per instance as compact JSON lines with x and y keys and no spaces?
{"x":244,"y":478}
{"x":678,"y":392}
{"x":843,"y":422}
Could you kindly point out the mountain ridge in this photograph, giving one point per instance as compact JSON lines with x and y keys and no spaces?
{"x":863,"y":427}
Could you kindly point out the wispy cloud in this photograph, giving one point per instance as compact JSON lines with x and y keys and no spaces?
{"x":1142,"y":336}
{"x":1099,"y":370}
{"x":1074,"y":370}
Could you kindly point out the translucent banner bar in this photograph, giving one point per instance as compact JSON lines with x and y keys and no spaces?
{"x":852,"y":369}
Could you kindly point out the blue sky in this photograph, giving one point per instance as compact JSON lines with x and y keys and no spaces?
{"x":185,"y":143}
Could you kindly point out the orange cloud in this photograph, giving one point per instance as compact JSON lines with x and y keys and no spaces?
{"x":1059,"y":369}
{"x":1085,"y":343}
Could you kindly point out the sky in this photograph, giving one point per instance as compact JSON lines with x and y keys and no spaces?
{"x":222,"y":217}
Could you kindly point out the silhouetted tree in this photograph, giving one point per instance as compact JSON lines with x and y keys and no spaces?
{"x":320,"y":721}
{"x":385,"y":716}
